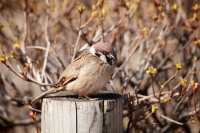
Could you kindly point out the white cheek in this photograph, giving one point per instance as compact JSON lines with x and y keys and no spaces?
{"x":103,"y":58}
{"x":92,"y":50}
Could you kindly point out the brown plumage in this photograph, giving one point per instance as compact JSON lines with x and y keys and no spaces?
{"x":87,"y":74}
{"x":90,"y":72}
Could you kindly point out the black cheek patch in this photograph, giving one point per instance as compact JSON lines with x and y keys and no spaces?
{"x":110,"y":59}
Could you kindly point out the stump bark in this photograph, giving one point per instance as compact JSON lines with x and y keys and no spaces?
{"x":73,"y":115}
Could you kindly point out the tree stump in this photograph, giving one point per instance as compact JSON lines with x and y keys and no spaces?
{"x":102,"y":114}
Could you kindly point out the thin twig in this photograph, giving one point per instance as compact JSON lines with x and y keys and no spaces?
{"x":151,"y":97}
{"x":98,"y":38}
{"x":36,"y":47}
{"x":127,"y":59}
{"x":46,"y":52}
{"x":26,"y":78}
{"x":34,"y":109}
{"x":76,"y":45}
{"x":170,"y":79}
{"x":170,"y":119}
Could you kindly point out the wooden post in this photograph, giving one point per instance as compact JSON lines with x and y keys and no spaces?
{"x":72,"y":115}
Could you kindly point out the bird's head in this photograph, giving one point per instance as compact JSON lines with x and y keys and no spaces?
{"x":104,"y":49}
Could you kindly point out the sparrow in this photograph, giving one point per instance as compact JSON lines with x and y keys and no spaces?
{"x":88,"y":73}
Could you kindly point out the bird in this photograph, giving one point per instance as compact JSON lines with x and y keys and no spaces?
{"x":88,"y":73}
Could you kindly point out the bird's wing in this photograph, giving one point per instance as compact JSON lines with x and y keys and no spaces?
{"x":72,"y":71}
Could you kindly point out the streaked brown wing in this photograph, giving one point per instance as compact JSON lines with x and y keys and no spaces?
{"x":72,"y":71}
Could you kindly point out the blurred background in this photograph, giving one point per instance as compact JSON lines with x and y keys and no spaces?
{"x":157,"y":45}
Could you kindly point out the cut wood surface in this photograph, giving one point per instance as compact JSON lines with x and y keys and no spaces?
{"x":73,"y":115}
